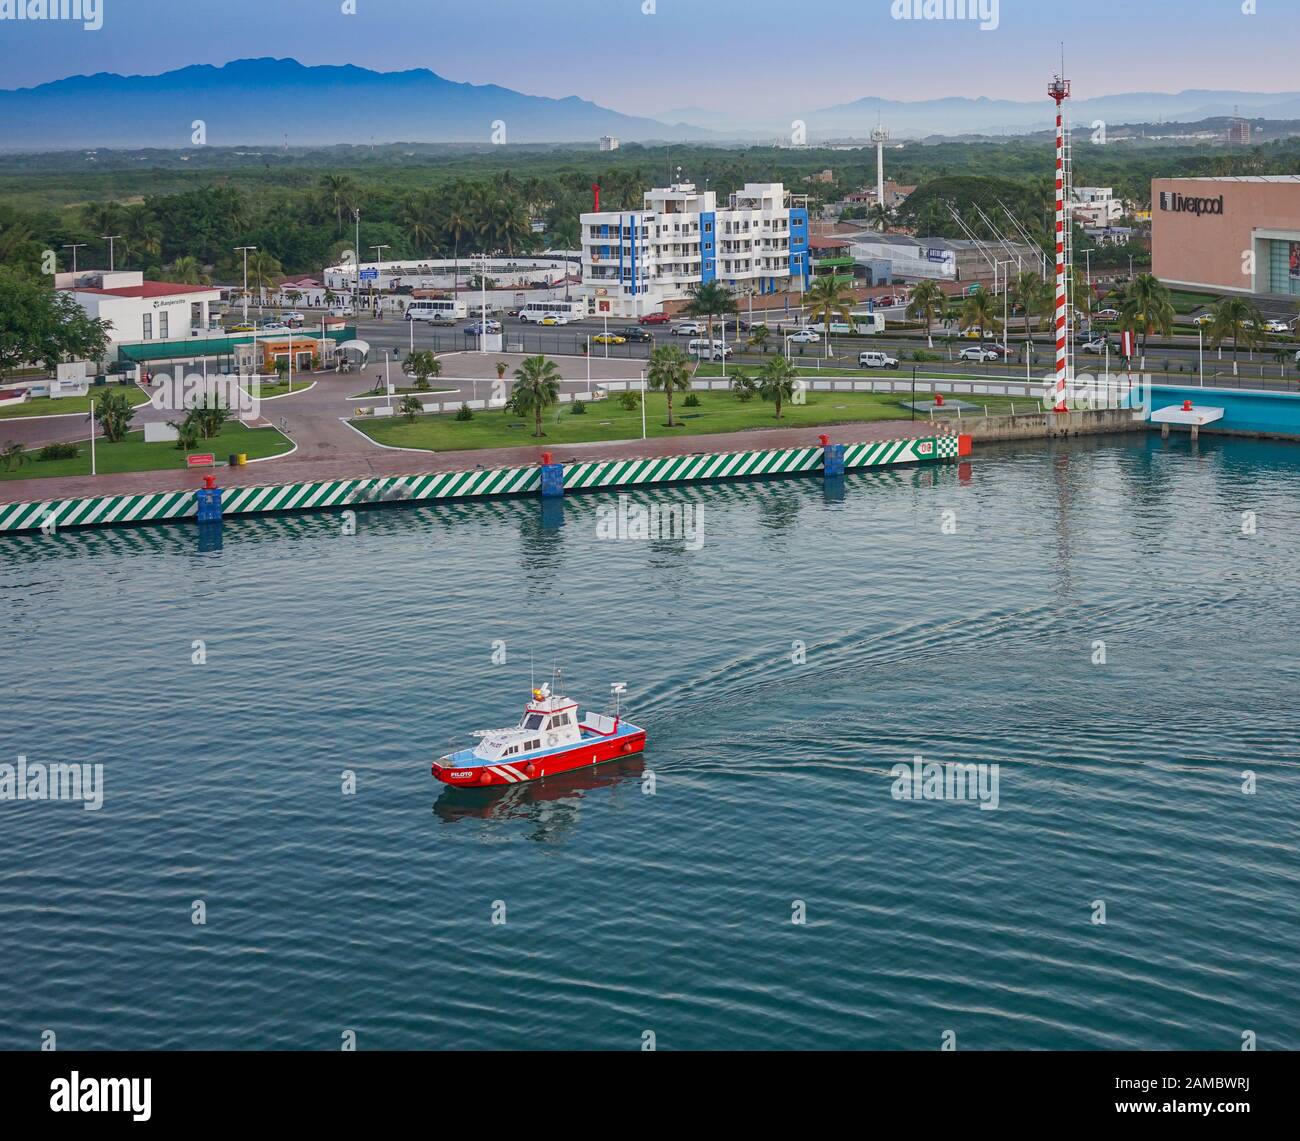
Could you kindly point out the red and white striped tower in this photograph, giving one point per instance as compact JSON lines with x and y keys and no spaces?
{"x":1059,"y":90}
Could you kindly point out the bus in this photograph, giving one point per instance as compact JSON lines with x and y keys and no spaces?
{"x":863,"y":323}
{"x":439,"y":310}
{"x":536,"y":310}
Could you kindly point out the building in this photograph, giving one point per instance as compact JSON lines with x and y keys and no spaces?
{"x":912,"y":258}
{"x":1095,"y":206}
{"x":608,"y":143}
{"x":138,"y":310}
{"x":1239,"y":133}
{"x":823,"y":176}
{"x":1238,"y":235}
{"x":635,"y":261}
{"x":831,"y":257}
{"x":895,"y":195}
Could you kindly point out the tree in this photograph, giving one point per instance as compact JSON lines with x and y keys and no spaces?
{"x":743,"y":385}
{"x":827,"y":299}
{"x":878,"y":215}
{"x":758,"y":336}
{"x":42,"y":326}
{"x":776,"y":381}
{"x":141,"y":233}
{"x":263,"y":269}
{"x":410,"y":407}
{"x":708,"y":300}
{"x":536,"y":388}
{"x":187,"y":271}
{"x":12,"y":456}
{"x":204,"y":419}
{"x":1147,"y":305}
{"x":1237,"y":318}
{"x":114,"y":413}
{"x":340,"y":194}
{"x":422,"y":364}
{"x":669,"y":371}
{"x":926,"y":304}
{"x":980,"y":309}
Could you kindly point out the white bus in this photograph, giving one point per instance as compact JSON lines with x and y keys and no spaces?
{"x":536,"y":310}
{"x":437,"y":310}
{"x":864,"y":322}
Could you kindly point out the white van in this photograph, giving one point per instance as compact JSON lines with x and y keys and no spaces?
{"x":874,"y":359}
{"x":702,"y":347}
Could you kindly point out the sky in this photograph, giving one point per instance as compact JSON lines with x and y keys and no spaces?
{"x":649,"y":56}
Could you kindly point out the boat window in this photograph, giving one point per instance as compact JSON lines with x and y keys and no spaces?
{"x":535,"y":744}
{"x":533,"y":721}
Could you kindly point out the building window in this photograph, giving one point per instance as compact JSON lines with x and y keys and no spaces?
{"x":148,"y":326}
{"x":162,"y":325}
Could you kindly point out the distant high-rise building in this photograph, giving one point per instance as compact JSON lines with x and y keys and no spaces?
{"x":608,"y":143}
{"x":1239,"y":132}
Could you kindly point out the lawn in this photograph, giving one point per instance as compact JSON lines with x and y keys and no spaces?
{"x":133,"y":454}
{"x":609,"y":420}
{"x":70,"y":405}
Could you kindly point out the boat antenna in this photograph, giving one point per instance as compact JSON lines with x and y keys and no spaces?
{"x":531,"y":680}
{"x":615,"y":688}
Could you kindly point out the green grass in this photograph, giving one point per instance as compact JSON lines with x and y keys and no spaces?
{"x":607,"y":420}
{"x":133,"y":454}
{"x":70,"y":405}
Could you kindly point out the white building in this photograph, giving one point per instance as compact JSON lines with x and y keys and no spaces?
{"x":635,"y":261}
{"x":1095,"y":206}
{"x":608,"y":143}
{"x":138,"y":310}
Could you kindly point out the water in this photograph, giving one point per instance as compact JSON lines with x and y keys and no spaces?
{"x":628,"y":912}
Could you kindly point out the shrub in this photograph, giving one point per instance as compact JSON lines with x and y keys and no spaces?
{"x":691,"y":401}
{"x":464,"y":412}
{"x":58,"y":452}
{"x":630,"y":400}
{"x":923,"y":355}
{"x":579,"y":408}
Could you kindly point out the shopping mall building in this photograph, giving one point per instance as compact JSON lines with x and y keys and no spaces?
{"x":1231,"y":234}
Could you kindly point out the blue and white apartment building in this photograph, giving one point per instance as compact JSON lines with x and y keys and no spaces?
{"x":635,"y":261}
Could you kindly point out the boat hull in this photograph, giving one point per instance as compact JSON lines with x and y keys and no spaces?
{"x":582,"y":755}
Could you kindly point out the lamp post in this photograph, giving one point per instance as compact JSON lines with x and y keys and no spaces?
{"x":379,"y":260}
{"x":110,"y":239}
{"x":1200,"y":352}
{"x":74,"y":247}
{"x":643,"y":396}
{"x":245,"y":250}
{"x":356,"y":258}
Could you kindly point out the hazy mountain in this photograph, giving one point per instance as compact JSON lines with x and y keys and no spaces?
{"x":958,"y":115}
{"x":260,"y":101}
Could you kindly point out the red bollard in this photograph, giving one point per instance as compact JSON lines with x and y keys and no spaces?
{"x":824,"y":440}
{"x":546,"y":457}
{"x":209,"y":481}
{"x":938,"y":399}
{"x":1187,"y":405}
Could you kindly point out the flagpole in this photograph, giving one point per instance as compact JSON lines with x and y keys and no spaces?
{"x":92,"y":435}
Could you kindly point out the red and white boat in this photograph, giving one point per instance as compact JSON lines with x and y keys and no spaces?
{"x":550,"y":738}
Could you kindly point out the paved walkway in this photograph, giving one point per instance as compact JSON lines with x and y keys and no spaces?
{"x":368,"y":460}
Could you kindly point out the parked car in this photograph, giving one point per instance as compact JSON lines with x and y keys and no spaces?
{"x":654,"y":319}
{"x":243,"y":327}
{"x":343,"y":311}
{"x":688,"y":329}
{"x":634,"y":333}
{"x":805,"y":337}
{"x":477,"y":328}
{"x":875,"y":359}
{"x":1276,"y":327}
{"x":977,"y":353}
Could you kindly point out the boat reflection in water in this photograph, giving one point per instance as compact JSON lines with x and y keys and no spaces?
{"x":553,"y":804}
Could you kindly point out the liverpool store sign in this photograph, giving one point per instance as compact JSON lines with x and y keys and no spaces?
{"x":1182,"y":204}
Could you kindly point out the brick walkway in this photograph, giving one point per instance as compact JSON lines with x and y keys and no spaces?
{"x":379,"y":462}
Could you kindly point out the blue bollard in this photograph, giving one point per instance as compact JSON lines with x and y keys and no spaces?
{"x":832,"y":459}
{"x":552,"y":478}
{"x":209,"y":499}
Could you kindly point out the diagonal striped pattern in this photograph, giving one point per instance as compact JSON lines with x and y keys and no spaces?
{"x":171,"y":505}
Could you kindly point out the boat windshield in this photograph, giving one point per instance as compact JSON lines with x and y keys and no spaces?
{"x":533,"y":721}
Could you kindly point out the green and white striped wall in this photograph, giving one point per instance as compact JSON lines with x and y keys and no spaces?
{"x":167,"y":506}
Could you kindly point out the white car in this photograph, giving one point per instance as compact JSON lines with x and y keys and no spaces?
{"x":978,"y":354}
{"x":554,"y":319}
{"x":688,"y":329}
{"x":1203,"y":319}
{"x":873,"y":358}
{"x":805,"y":337}
{"x":1276,"y":327}
{"x":343,"y":311}
{"x":1097,"y":345}
{"x":275,"y":327}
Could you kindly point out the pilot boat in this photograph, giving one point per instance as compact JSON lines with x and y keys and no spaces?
{"x":550,"y":738}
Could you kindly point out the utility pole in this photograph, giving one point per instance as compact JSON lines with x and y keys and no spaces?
{"x":245,"y":249}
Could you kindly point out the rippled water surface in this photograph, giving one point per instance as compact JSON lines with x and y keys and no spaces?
{"x":1119,"y":783}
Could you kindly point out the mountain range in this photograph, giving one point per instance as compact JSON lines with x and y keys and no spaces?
{"x":274,"y":101}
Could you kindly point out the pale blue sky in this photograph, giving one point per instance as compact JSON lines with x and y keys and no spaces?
{"x":711,"y":53}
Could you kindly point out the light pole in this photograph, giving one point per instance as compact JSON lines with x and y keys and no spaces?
{"x":245,"y":249}
{"x":379,"y":260}
{"x":356,"y":257}
{"x":1200,"y":352}
{"x":643,"y":396}
{"x":483,"y":319}
{"x":74,"y":247}
{"x":110,"y":238}
{"x":388,"y":384}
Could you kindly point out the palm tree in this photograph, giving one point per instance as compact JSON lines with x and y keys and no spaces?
{"x":827,"y":299}
{"x":1237,"y":318}
{"x":101,"y":218}
{"x":926,"y":304}
{"x":537,"y":387}
{"x":776,"y":381}
{"x":410,"y":407}
{"x":457,"y":221}
{"x":340,"y":194}
{"x":263,"y":269}
{"x":878,"y":216}
{"x":758,"y":338}
{"x":1148,"y":305}
{"x":416,"y":220}
{"x":981,"y":309}
{"x":710,"y":299}
{"x":422,"y":364}
{"x":669,"y":370}
{"x":140,"y":231}
{"x":187,"y":271}
{"x":13,"y":456}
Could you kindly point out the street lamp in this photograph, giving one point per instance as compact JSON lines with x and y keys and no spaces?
{"x":245,"y":249}
{"x":110,"y":238}
{"x":379,"y":260}
{"x":74,"y":247}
